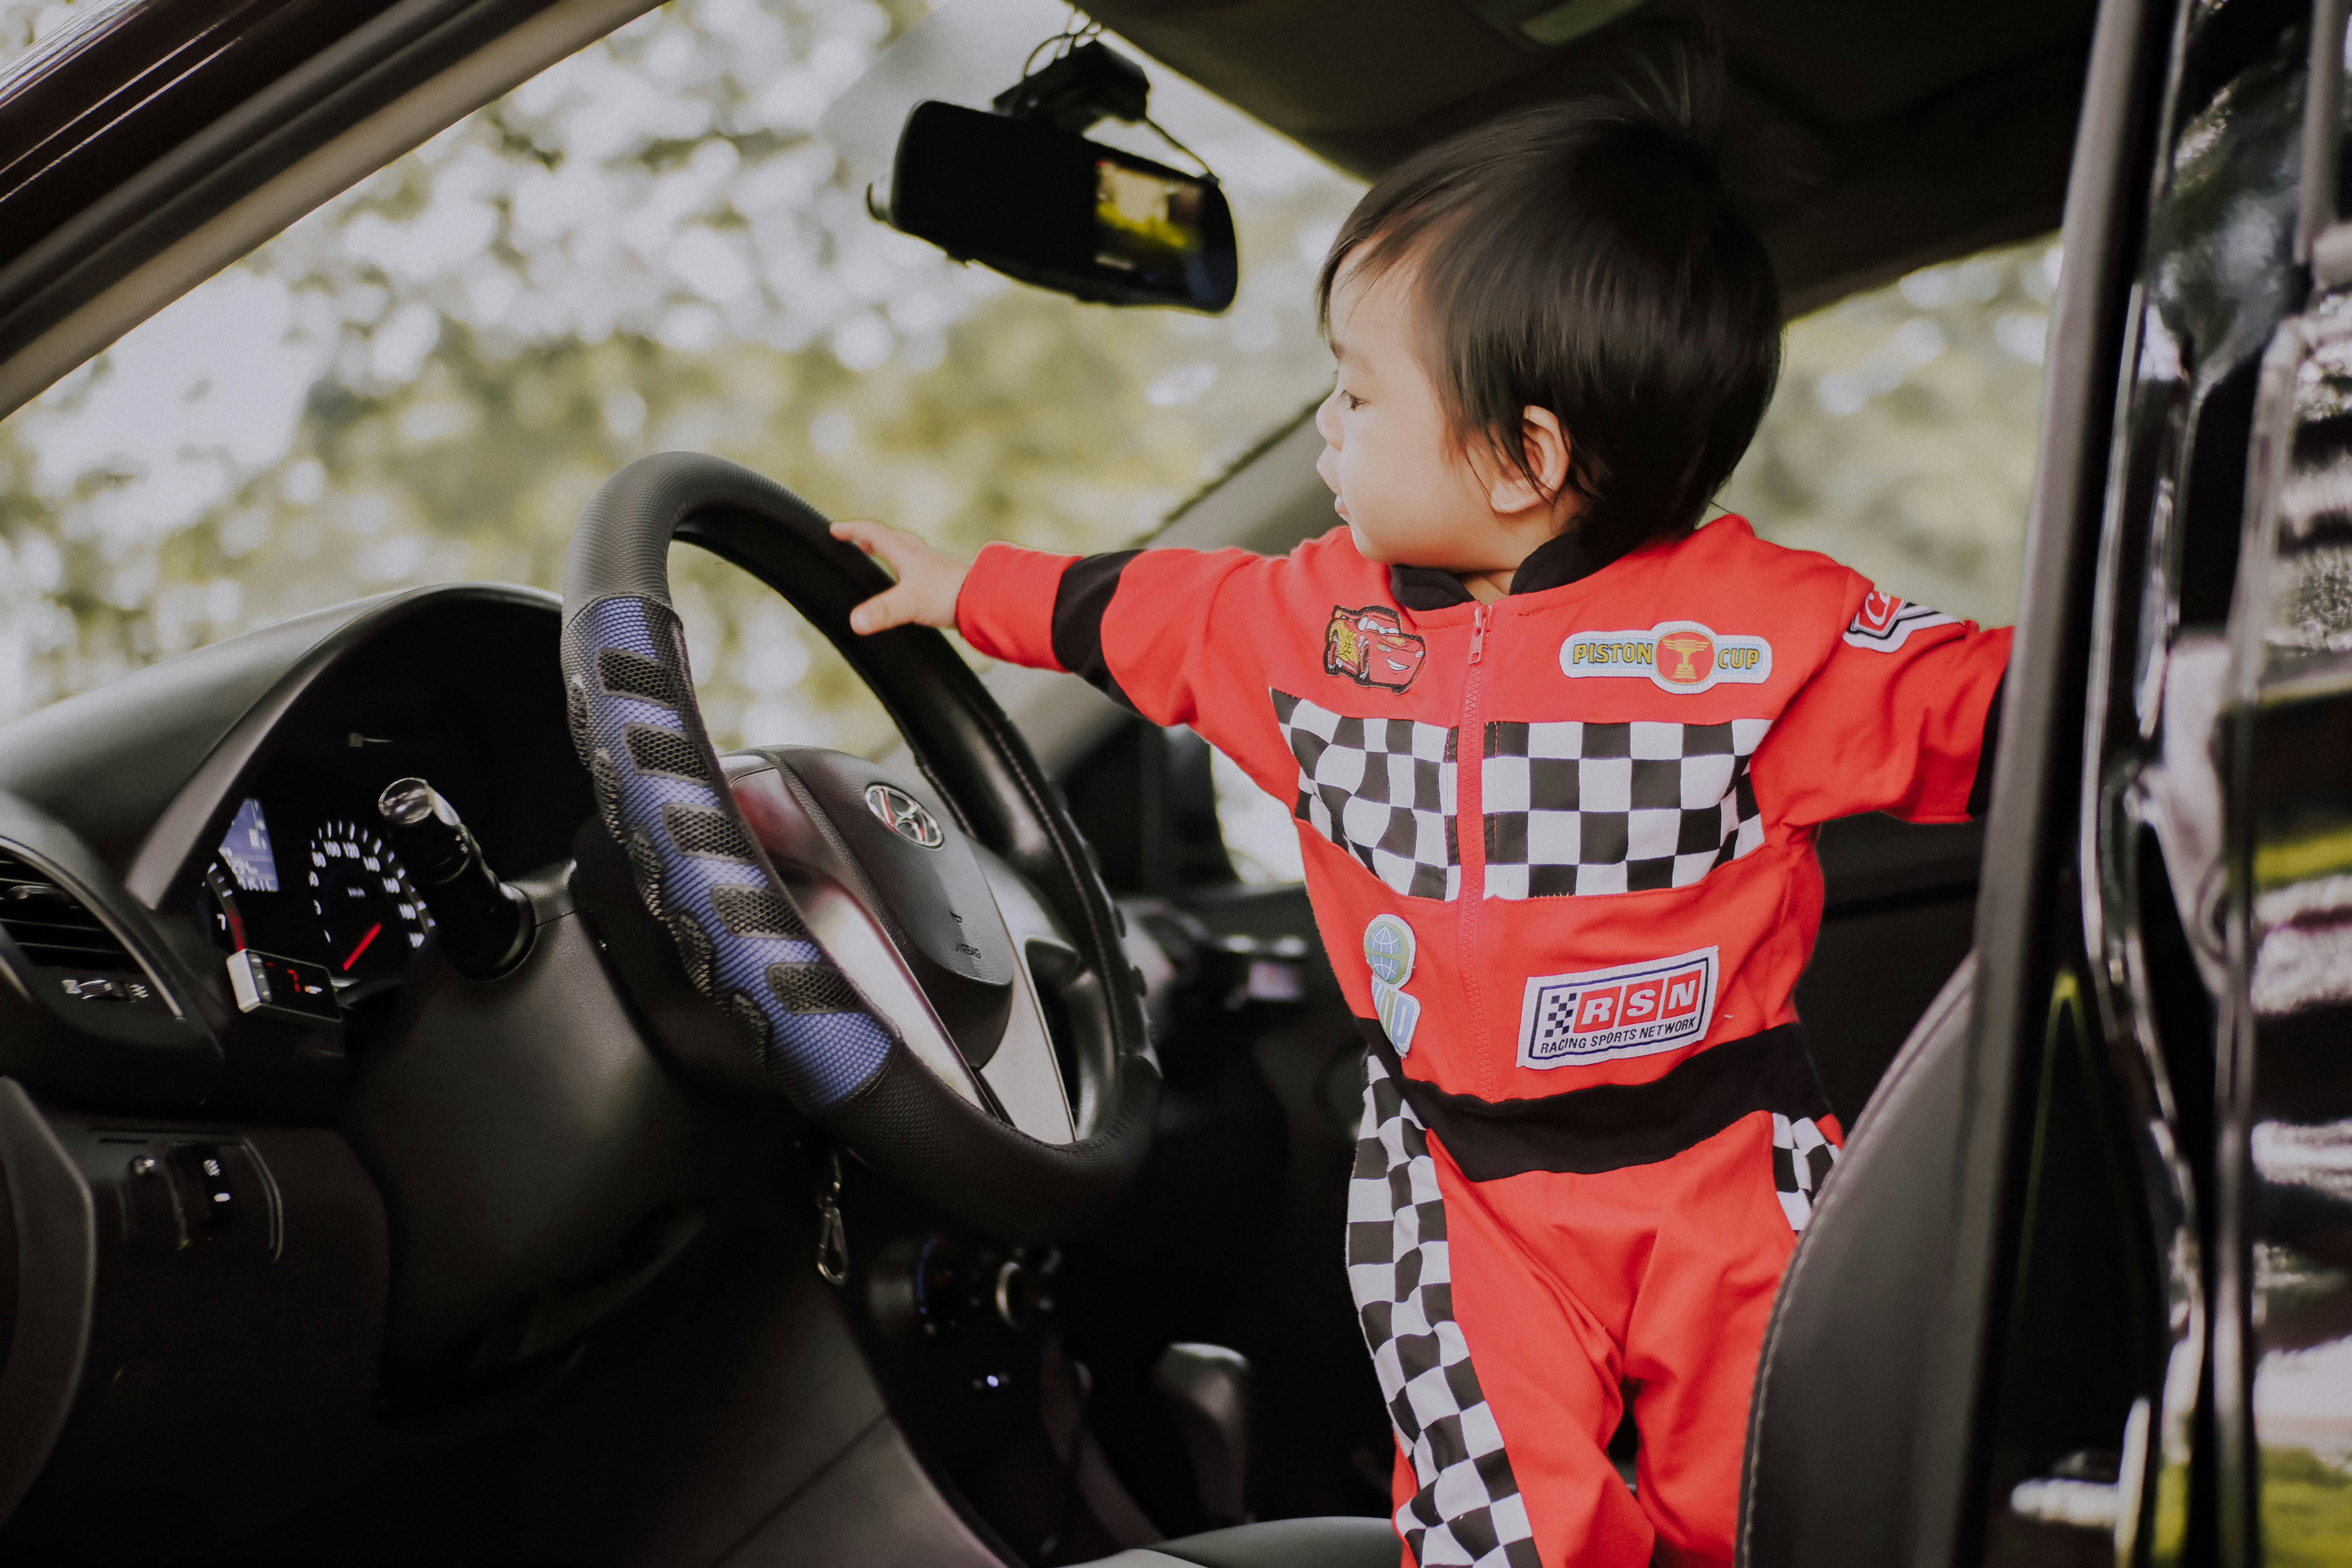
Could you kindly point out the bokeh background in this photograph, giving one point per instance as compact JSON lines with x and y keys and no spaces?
{"x":646,"y":248}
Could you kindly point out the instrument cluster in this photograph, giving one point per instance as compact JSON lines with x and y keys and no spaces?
{"x":306,"y":894}
{"x":333,"y":894}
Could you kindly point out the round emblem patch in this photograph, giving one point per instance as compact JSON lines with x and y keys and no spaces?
{"x":1389,"y":947}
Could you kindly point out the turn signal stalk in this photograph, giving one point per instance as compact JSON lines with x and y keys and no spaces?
{"x":486,"y":925}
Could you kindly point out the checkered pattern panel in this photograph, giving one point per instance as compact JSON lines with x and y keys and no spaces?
{"x":1382,"y":789}
{"x":1575,"y":808}
{"x":1801,"y":1161}
{"x":1465,"y":1508}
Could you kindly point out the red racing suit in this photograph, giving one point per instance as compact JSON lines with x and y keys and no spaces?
{"x":1560,"y":849}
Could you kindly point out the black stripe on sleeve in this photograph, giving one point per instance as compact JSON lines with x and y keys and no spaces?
{"x":1981,"y":792}
{"x":1079,"y":605}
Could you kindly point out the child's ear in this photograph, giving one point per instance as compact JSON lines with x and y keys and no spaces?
{"x":1547,"y":448}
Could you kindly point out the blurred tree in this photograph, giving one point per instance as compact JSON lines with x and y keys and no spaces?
{"x":642,"y":248}
{"x":1902,"y":438}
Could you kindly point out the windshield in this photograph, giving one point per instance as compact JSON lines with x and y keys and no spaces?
{"x":649,"y":246}
{"x":645,"y":247}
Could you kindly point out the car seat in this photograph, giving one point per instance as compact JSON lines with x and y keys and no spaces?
{"x":1828,"y":1435}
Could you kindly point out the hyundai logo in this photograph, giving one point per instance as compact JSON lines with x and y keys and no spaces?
{"x":903,"y":815}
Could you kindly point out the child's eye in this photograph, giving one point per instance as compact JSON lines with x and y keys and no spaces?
{"x":1351,"y":401}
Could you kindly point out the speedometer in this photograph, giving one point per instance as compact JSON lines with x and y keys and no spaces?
{"x":366,"y":905}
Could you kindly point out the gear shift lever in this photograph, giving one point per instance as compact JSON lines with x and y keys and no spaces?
{"x":1210,"y":1387}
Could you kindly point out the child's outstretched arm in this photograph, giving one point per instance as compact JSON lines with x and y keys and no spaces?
{"x":1901,"y":718}
{"x":1174,"y":634}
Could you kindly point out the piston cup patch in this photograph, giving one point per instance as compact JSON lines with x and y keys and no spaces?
{"x":1389,"y":949}
{"x":1885,"y":622}
{"x":1631,"y":1010}
{"x":1681,"y":656}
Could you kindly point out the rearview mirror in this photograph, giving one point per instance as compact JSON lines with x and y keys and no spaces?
{"x":1050,"y":207}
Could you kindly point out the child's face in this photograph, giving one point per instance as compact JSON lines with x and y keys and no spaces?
{"x":1404,"y":480}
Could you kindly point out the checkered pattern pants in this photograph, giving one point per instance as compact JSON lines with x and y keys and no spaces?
{"x":1466,"y":1509}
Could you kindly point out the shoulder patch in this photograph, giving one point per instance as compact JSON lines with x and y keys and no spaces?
{"x":1681,"y":656}
{"x":1372,"y":647}
{"x":1885,"y":623}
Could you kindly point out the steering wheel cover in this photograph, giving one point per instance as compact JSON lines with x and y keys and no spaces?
{"x":659,"y":790}
{"x":841,"y":1063}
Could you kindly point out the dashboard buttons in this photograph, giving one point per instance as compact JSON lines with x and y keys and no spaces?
{"x":105,"y":988}
{"x":205,"y":1182}
{"x":150,"y":1215}
{"x":197,"y":1201}
{"x":284,"y":989}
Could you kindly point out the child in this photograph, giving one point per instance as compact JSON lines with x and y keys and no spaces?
{"x":1558,"y":755}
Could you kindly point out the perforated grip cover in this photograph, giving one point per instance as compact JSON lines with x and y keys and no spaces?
{"x":663,"y":799}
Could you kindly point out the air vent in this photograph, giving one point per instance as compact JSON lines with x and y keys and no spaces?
{"x":52,"y":926}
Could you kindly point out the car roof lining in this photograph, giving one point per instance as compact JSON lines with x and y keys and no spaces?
{"x":1864,"y":140}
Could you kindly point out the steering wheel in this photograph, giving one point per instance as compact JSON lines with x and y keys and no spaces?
{"x":940,"y":982}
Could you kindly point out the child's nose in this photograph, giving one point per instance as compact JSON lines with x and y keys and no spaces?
{"x":1326,"y":419}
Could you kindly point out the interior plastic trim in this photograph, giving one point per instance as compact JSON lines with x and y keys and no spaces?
{"x":56,"y":1273}
{"x":180,"y":263}
{"x":2033,"y":794}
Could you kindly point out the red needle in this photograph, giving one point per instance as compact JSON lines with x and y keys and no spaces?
{"x":363,"y":947}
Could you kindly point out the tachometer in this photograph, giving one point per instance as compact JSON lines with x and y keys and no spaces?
{"x":367,"y":907}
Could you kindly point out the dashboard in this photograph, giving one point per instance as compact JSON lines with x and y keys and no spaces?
{"x":302,"y":893}
{"x":303,"y":875}
{"x":217,"y":816}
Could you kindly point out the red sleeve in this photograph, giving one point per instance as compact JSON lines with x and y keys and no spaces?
{"x":1897,"y":718}
{"x":1162,"y":631}
{"x":1005,"y":608}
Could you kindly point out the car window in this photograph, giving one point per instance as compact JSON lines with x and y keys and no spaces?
{"x":1903,"y":437}
{"x":643,"y":248}
{"x":1901,"y":441}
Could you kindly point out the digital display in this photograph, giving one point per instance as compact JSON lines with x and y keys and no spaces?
{"x":245,"y":850}
{"x":1146,"y":223}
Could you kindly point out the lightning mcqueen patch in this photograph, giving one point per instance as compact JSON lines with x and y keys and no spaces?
{"x":1885,"y":622}
{"x":1372,"y":647}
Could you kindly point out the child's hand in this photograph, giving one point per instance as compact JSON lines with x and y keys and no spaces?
{"x":929,"y":579}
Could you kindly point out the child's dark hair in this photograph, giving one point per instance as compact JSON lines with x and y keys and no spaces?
{"x":1582,"y":258}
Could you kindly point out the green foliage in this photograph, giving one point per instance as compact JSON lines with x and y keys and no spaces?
{"x":642,"y":249}
{"x":1902,"y":438}
{"x":2306,"y":1510}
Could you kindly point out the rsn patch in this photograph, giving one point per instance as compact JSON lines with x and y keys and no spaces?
{"x":1885,"y":622}
{"x":1631,"y":1010}
{"x":1681,"y":656}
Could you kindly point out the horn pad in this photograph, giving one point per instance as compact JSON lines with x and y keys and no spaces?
{"x":932,"y":898}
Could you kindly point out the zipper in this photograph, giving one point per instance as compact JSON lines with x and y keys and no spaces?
{"x":1470,"y":830}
